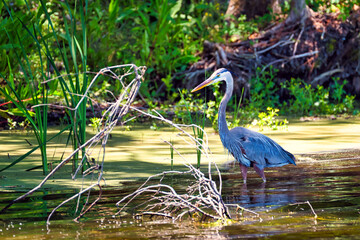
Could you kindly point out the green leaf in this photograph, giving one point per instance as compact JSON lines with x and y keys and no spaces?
{"x":113,"y":9}
{"x":176,"y":8}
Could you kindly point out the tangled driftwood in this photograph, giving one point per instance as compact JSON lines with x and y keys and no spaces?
{"x":202,"y":199}
{"x":317,"y":50}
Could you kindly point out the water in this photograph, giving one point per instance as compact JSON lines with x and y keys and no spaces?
{"x":331,"y":186}
{"x":329,"y":181}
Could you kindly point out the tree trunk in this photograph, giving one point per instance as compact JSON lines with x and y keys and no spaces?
{"x":251,"y":8}
{"x":235,"y":8}
{"x":299,"y":11}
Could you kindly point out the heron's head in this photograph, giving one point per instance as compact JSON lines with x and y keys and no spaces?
{"x":219,"y":75}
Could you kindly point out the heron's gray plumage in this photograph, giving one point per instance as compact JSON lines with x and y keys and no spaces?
{"x":249,"y":148}
{"x":257,"y":148}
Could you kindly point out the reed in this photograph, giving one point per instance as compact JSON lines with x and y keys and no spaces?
{"x":51,"y":46}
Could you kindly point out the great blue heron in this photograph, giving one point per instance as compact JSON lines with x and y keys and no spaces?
{"x":249,"y":148}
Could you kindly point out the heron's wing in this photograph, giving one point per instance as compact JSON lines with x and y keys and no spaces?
{"x":261,"y":149}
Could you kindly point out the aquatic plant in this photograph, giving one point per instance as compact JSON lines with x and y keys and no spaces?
{"x":269,"y":119}
{"x":94,"y":156}
{"x":198,"y":124}
{"x":43,"y":80}
{"x":319,"y":100}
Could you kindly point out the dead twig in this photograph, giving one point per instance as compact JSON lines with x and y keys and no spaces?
{"x":244,"y":209}
{"x":285,"y":59}
{"x":90,"y":206}
{"x":308,"y":203}
{"x":202,"y":198}
{"x":153,"y":214}
{"x":204,"y":202}
{"x":325,"y":75}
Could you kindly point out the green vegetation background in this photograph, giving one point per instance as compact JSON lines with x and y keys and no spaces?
{"x":67,"y":41}
{"x":166,"y":36}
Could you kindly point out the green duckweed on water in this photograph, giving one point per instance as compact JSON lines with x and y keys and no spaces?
{"x":326,"y":175}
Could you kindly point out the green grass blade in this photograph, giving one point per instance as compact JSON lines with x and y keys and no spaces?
{"x":8,"y":10}
{"x":32,"y":150}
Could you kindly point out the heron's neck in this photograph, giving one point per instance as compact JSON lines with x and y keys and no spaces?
{"x":223,"y":128}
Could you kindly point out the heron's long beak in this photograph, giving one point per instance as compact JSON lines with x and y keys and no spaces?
{"x":205,"y":83}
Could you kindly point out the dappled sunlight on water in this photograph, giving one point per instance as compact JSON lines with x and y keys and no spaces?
{"x":142,"y":152}
{"x":330,"y":181}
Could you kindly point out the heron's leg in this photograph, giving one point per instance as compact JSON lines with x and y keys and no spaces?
{"x":260,"y":172}
{"x":243,"y":172}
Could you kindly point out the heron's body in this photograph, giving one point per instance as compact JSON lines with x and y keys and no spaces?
{"x":249,"y":148}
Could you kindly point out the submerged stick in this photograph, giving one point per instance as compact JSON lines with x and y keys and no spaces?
{"x":245,"y":209}
{"x":308,"y":203}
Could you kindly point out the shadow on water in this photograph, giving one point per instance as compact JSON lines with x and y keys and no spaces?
{"x":331,"y":186}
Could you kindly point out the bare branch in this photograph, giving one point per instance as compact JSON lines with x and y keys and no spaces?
{"x":110,"y":118}
{"x":308,"y":203}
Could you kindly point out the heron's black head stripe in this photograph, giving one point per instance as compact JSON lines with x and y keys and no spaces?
{"x":226,"y":70}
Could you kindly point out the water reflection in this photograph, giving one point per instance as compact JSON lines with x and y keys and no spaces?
{"x":332,"y":187}
{"x":260,"y":196}
{"x":322,"y":183}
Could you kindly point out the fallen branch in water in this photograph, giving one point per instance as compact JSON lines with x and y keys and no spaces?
{"x":308,"y":203}
{"x":238,"y":207}
{"x":114,"y":113}
{"x":202,"y":197}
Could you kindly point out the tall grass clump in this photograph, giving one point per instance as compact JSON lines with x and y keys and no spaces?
{"x":197,"y":122}
{"x":53,"y":64}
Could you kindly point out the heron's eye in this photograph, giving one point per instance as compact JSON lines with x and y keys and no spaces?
{"x":218,"y":75}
